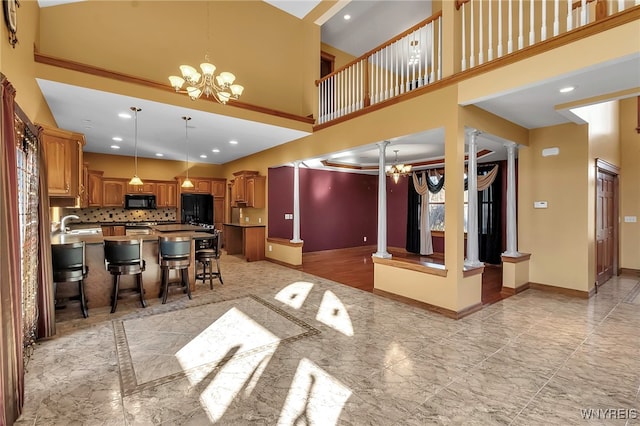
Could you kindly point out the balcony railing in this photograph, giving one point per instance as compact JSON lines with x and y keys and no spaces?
{"x":488,"y":30}
{"x":410,"y":60}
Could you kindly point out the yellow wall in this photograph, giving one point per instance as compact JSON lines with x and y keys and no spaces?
{"x":629,"y":184}
{"x":341,"y":58}
{"x":150,"y":39}
{"x":557,"y":237}
{"x":119,"y":166}
{"x":17,"y":64}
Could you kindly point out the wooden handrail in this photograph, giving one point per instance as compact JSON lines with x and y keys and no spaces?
{"x":382,"y":46}
{"x":574,"y":5}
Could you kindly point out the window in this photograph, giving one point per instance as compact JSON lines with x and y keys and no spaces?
{"x":436,"y":208}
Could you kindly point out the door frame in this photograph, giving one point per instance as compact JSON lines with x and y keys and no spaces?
{"x":603,"y":166}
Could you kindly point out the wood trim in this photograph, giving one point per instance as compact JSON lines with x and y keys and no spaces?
{"x":423,"y":267}
{"x":284,"y":242}
{"x":607,"y":167}
{"x":561,"y":290}
{"x":593,"y":28}
{"x":429,"y":307}
{"x":281,"y":263}
{"x":469,"y":272}
{"x":517,"y":259}
{"x":509,"y":291}
{"x":629,"y":271}
{"x":638,"y":128}
{"x":127,"y":78}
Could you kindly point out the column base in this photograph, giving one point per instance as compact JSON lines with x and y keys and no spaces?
{"x":296,"y":241}
{"x":382,"y":255}
{"x":473,"y":263}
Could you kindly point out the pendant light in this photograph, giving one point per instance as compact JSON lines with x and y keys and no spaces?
{"x":135,"y":180}
{"x":187,"y":183}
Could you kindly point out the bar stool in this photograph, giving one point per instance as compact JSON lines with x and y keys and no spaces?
{"x":124,"y":257}
{"x":174,"y":254}
{"x":69,"y":266}
{"x":205,"y":258}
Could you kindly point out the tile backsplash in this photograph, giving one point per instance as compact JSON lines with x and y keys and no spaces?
{"x":115,"y":214}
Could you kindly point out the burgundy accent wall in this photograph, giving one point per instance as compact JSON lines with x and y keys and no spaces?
{"x":337,"y":209}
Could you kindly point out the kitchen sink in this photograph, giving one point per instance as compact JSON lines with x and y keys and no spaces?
{"x":85,"y":231}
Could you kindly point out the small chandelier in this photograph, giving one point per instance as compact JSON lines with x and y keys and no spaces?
{"x":135,"y":180}
{"x":221,"y":87}
{"x":187,"y":183}
{"x":397,"y":170}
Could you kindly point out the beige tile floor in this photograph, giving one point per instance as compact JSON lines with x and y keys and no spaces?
{"x":277,"y":346}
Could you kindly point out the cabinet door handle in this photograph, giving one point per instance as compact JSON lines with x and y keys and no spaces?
{"x":66,"y":187}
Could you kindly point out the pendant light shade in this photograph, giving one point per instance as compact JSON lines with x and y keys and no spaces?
{"x":135,"y":180}
{"x":187,"y":183}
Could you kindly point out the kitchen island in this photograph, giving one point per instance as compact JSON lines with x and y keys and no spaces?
{"x":99,"y":281}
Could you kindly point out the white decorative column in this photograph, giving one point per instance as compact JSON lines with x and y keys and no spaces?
{"x":473,"y":258}
{"x":382,"y":202}
{"x":296,"y":202}
{"x":512,"y":227}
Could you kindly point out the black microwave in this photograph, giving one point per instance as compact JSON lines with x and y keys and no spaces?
{"x":139,"y":201}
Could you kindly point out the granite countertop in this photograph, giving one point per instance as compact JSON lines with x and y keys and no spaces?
{"x":177,"y":227}
{"x":59,"y":238}
{"x":245,"y":225}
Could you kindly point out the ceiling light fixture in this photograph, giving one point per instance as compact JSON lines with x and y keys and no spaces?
{"x":567,"y":89}
{"x":347,"y":17}
{"x":187,"y":183}
{"x":233,"y":142}
{"x":135,"y":180}
{"x":397,"y":170}
{"x":116,"y":138}
{"x":216,"y":150}
{"x":220,"y":87}
{"x":115,"y":147}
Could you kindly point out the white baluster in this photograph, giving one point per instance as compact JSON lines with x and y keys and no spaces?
{"x":499,"y":29}
{"x":620,"y":5}
{"x":543,"y":28}
{"x":490,"y":51}
{"x":481,"y":33}
{"x":556,"y":17}
{"x":439,"y":48}
{"x":532,"y":37}
{"x":584,"y":13}
{"x":464,"y":38}
{"x":569,"y":16}
{"x":520,"y":26}
{"x":510,"y":28}
{"x":421,"y":46}
{"x":472,"y":39}
{"x":433,"y":52}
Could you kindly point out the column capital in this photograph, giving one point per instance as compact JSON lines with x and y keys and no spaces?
{"x":382,"y":145}
{"x":511,"y":145}
{"x":296,"y":163}
{"x":474,"y":132}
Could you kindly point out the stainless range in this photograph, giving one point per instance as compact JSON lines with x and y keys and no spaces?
{"x":139,"y":228}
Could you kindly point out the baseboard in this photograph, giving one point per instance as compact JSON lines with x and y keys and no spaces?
{"x":509,"y":291}
{"x":281,"y":263}
{"x":561,"y":290}
{"x":429,"y":307}
{"x":629,"y":271}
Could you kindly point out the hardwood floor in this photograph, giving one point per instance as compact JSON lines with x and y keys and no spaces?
{"x":354,"y":267}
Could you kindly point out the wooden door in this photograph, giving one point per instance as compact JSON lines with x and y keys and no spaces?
{"x":606,"y":226}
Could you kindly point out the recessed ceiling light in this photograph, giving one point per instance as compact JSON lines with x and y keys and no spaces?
{"x":216,"y":150}
{"x":567,"y":89}
{"x":233,"y":142}
{"x":86,"y":121}
{"x":124,"y":115}
{"x":347,"y":17}
{"x":203,"y":156}
{"x":117,"y":138}
{"x":115,"y":147}
{"x":159,"y":154}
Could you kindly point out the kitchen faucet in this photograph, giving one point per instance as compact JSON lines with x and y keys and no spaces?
{"x":63,"y":226}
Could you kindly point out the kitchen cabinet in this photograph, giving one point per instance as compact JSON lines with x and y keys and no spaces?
{"x":113,"y":191}
{"x":166,"y":194}
{"x":146,"y":188}
{"x":218,"y":211}
{"x":94,"y":188}
{"x":218,"y":187}
{"x":113,"y":230}
{"x":84,"y":192}
{"x":63,"y":154}
{"x":247,"y":240}
{"x":248,"y":189}
{"x":200,"y":185}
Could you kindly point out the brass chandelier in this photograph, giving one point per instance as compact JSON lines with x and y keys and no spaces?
{"x":397,"y":170}
{"x":220,"y":87}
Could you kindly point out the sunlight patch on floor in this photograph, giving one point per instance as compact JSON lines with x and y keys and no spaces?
{"x":294,"y":294}
{"x":333,"y":313}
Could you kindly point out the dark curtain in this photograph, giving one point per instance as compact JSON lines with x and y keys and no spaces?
{"x":11,"y":330}
{"x":489,"y":223}
{"x":413,"y":219}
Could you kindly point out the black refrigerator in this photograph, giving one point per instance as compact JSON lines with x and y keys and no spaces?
{"x":197,"y":209}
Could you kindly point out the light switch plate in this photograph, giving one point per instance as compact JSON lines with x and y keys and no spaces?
{"x":539,"y":204}
{"x":630,"y":219}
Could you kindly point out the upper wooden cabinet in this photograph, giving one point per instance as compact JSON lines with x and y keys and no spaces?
{"x":145,"y":188}
{"x":200,"y":185}
{"x":248,"y":189}
{"x":63,"y":153}
{"x":218,"y":187}
{"x":166,"y":194}
{"x":94,"y":188}
{"x":113,"y":191}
